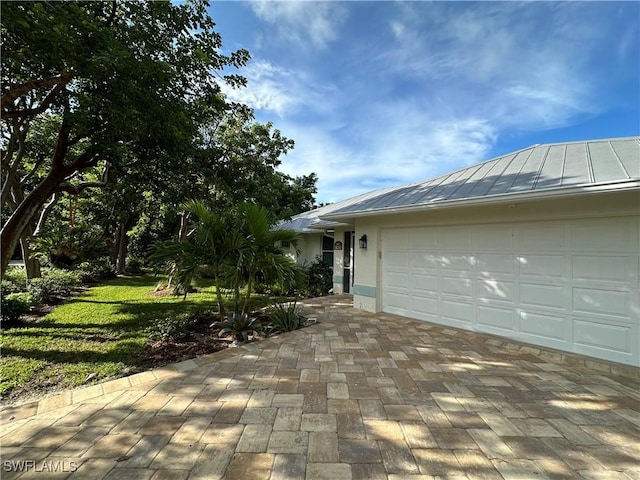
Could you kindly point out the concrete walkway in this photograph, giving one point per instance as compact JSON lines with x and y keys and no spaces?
{"x":357,"y":396}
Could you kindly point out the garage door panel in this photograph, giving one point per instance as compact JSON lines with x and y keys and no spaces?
{"x":457,"y":263}
{"x":614,"y":341}
{"x":426,"y":305}
{"x":456,"y":286}
{"x":454,"y":238}
{"x":457,"y":311}
{"x":603,"y":302}
{"x":423,"y":238}
{"x":598,"y":268}
{"x":424,"y":283}
{"x":545,"y":266}
{"x":545,"y":327}
{"x":398,"y":280}
{"x":610,"y":234}
{"x":541,"y":236}
{"x":397,"y":258}
{"x":493,"y":289}
{"x":495,"y":263}
{"x":397,"y":300}
{"x":545,"y":296}
{"x":493,"y":238}
{"x":497,"y":318}
{"x":425,"y":260}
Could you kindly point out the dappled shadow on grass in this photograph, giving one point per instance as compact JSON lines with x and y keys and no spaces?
{"x":128,"y":352}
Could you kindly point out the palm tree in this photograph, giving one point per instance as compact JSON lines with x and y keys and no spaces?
{"x":212,"y":242}
{"x":237,"y":246}
{"x":260,"y":254}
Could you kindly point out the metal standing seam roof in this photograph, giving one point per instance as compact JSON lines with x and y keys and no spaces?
{"x":310,"y":222}
{"x":550,"y":169}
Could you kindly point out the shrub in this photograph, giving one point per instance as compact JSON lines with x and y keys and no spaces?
{"x":53,"y":284}
{"x":240,"y":325}
{"x":176,"y":328}
{"x":17,"y":277}
{"x":319,"y":278}
{"x":95,"y":270}
{"x":14,"y":305}
{"x":134,"y":265}
{"x":285,"y":317}
{"x":10,"y":287}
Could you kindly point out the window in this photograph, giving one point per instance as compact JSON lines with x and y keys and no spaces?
{"x":285,"y":244}
{"x":327,"y":250}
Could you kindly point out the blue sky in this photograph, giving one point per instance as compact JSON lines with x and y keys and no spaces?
{"x":387,"y":93}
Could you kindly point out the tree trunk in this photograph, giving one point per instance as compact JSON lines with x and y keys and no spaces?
{"x":25,"y":214}
{"x":31,"y":264}
{"x":123,"y":243}
{"x":184,"y":224}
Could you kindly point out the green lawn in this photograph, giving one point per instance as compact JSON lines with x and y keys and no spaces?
{"x":100,"y":332}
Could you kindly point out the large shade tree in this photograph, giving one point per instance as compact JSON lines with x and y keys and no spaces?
{"x":126,"y":85}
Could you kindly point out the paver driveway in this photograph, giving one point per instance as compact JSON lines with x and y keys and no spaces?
{"x":358,"y":396}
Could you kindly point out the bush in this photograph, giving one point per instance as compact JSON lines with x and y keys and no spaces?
{"x":319,"y":278}
{"x":95,"y":270}
{"x":14,"y":305}
{"x":134,"y":265}
{"x":10,"y":287}
{"x":53,"y":284}
{"x":285,"y":317}
{"x":17,"y":277}
{"x":240,"y":325}
{"x":176,"y":328}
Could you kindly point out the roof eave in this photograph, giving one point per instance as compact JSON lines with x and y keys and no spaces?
{"x":549,"y":193}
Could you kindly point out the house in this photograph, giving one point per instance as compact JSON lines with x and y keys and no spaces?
{"x":539,"y":246}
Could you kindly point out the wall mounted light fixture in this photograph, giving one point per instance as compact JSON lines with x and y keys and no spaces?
{"x":363,"y":241}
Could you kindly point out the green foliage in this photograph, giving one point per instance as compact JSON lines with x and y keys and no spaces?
{"x":55,"y":283}
{"x":9,"y":287}
{"x":285,"y":317}
{"x":66,"y":248}
{"x":134,"y":265}
{"x":176,"y":327}
{"x":237,"y":247}
{"x":18,"y":279}
{"x":240,"y":325}
{"x":319,"y":278}
{"x":14,"y":305}
{"x":95,"y":270}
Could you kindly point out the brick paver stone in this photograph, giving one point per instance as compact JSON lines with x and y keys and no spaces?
{"x":323,"y":447}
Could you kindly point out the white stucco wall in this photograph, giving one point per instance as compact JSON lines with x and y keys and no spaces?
{"x":367,"y":294}
{"x":310,"y":247}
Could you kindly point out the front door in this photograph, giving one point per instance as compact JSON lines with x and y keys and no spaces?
{"x":349,"y":265}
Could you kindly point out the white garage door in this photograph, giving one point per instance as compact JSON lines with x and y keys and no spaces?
{"x":571,"y":285}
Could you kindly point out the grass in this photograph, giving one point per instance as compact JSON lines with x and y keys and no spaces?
{"x":101,"y":333}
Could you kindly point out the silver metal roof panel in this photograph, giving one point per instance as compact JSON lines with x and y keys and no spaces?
{"x":535,"y":169}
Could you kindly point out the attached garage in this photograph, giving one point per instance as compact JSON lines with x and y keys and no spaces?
{"x":539,"y":246}
{"x":570,"y":285}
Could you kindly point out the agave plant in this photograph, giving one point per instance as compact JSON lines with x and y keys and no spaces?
{"x":240,"y":325}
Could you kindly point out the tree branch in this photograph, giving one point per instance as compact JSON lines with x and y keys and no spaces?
{"x":17,"y":91}
{"x":48,"y":100}
{"x":45,"y":212}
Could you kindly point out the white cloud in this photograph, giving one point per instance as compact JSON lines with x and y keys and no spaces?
{"x":303,"y":21}
{"x":508,"y":66}
{"x":277,"y":89}
{"x":266,"y":88}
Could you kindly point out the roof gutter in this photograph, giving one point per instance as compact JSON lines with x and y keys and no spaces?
{"x":619,"y":186}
